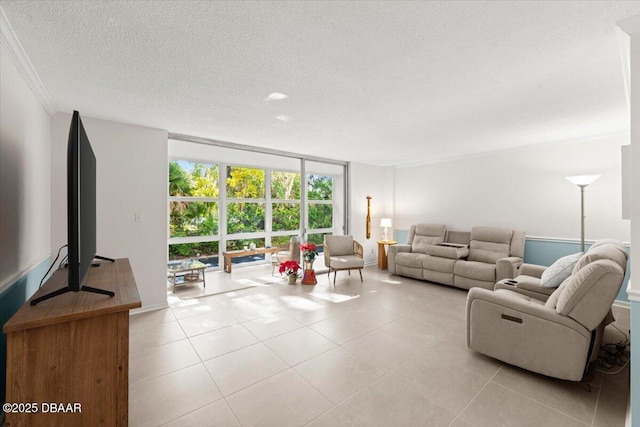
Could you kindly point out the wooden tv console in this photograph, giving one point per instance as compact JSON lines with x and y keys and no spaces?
{"x":68,"y":357}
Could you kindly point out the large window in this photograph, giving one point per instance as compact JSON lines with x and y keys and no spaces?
{"x":262,"y":200}
{"x":320,"y":197}
{"x":285,"y":206}
{"x":193,"y":210}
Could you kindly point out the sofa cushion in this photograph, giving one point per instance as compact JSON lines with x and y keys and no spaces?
{"x":488,"y":252}
{"x":420,"y":244}
{"x":426,"y":234}
{"x":557,"y":272}
{"x":412,"y":259}
{"x":606,"y":251}
{"x":346,"y":261}
{"x":442,"y":265}
{"x":475,"y":270}
{"x":489,"y":244}
{"x":433,"y":230}
{"x":492,"y":234}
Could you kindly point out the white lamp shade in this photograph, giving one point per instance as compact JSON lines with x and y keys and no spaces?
{"x":385,"y":222}
{"x":583,"y":180}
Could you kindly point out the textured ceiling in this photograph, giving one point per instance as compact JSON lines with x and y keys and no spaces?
{"x":375,"y":82}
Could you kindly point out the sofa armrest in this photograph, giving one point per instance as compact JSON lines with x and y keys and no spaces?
{"x":391,"y":255}
{"x":523,"y":286}
{"x":358,"y":249}
{"x":507,"y":268}
{"x":535,"y":288}
{"x":532,"y":270}
{"x":327,"y":254}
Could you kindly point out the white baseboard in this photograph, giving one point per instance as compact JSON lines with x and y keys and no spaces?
{"x":146,"y":308}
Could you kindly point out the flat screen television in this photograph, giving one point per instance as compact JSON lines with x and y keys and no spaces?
{"x":81,"y":212}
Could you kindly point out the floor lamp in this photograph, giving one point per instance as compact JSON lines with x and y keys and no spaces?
{"x":582,"y":181}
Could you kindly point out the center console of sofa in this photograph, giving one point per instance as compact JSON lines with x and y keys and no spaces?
{"x":480,"y":257}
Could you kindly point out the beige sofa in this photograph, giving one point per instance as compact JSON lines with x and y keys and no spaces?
{"x":557,"y":337}
{"x":457,"y":258}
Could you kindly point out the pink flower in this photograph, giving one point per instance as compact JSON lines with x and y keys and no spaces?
{"x":309,"y":251}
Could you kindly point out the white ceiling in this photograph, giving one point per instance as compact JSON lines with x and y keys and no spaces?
{"x":385,"y":83}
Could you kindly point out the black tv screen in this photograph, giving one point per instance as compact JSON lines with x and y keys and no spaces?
{"x":81,"y":203}
{"x":81,"y":213}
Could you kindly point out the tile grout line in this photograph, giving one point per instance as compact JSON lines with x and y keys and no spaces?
{"x":595,"y":409}
{"x":475,"y":396}
{"x":540,"y":403}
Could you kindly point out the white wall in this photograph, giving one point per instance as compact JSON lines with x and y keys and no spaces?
{"x":377,"y":182}
{"x":132,"y":173}
{"x":25,"y":202}
{"x":522,"y":189}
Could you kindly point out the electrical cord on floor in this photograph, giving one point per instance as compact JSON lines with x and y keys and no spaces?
{"x":615,"y":354}
{"x":51,"y":266}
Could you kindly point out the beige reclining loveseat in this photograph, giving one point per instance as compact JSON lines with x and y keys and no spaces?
{"x":458,"y":258}
{"x":558,"y":337}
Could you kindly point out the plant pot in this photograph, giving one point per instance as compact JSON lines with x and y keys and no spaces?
{"x":309,"y":277}
{"x":292,"y":279}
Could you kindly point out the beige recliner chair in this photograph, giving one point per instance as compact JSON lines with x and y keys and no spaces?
{"x":558,"y":337}
{"x":342,"y":253}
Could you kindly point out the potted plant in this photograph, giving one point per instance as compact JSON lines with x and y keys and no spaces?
{"x":309,"y":253}
{"x":290,"y":268}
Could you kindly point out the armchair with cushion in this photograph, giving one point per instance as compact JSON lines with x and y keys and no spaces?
{"x":286,"y":252}
{"x":342,"y":253}
{"x":558,"y":337}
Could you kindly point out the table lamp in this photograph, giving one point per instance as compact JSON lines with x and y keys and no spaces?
{"x":386,"y":223}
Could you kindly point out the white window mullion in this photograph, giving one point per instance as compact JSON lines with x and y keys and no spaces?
{"x":222,"y":211}
{"x":268,"y":213}
{"x":304,"y":223}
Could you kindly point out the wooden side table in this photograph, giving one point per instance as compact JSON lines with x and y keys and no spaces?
{"x":382,"y":253}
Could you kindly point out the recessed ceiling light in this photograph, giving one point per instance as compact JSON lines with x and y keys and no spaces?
{"x":283,"y":118}
{"x":276,"y":96}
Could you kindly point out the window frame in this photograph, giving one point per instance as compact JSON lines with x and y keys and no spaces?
{"x":222,"y":201}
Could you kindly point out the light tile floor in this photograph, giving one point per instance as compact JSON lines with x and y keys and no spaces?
{"x":389,"y":352}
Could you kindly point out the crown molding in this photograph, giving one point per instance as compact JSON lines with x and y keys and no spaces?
{"x":630,"y":25}
{"x":9,"y":40}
